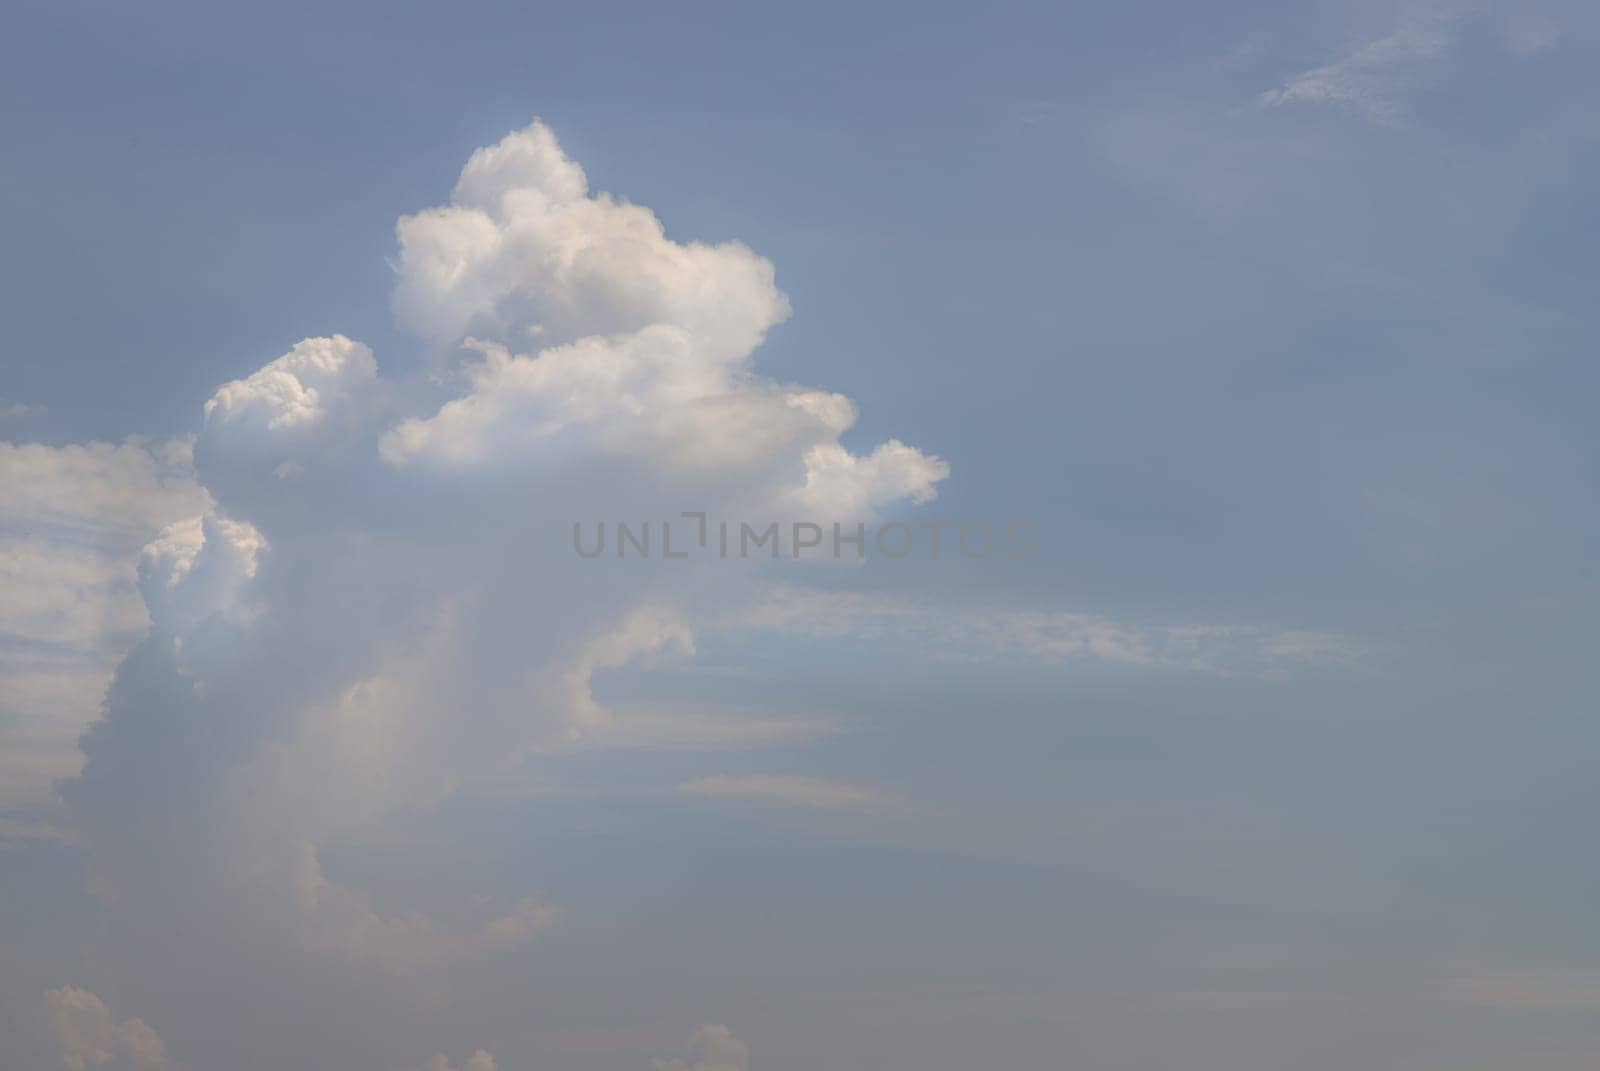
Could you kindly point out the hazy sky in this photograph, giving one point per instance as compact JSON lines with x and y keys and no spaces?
{"x":321,"y":747}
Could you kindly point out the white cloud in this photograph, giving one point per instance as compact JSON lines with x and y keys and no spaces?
{"x":87,"y":1036}
{"x":525,"y":250}
{"x":641,"y":345}
{"x":790,"y":791}
{"x":840,"y":484}
{"x":298,"y":390}
{"x":72,"y":522}
{"x":1369,"y":79}
{"x":713,"y":1048}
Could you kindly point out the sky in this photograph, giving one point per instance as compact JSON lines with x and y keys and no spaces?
{"x":1240,"y":356}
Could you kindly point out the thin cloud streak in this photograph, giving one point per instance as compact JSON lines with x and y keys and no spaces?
{"x":791,"y":791}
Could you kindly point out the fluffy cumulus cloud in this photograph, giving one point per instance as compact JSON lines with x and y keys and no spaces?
{"x":88,"y":1036}
{"x":526,"y":252}
{"x":594,"y":331}
{"x":297,"y":392}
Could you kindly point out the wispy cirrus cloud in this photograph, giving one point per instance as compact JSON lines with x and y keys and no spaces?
{"x":1052,"y":636}
{"x":1369,"y":79}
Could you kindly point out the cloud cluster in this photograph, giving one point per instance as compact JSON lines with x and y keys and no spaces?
{"x":349,"y":607}
{"x":355,"y":596}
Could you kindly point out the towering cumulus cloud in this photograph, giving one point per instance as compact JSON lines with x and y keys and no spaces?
{"x":598,"y":332}
{"x":378,"y":603}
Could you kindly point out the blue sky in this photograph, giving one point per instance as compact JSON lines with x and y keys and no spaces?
{"x":1272,"y":321}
